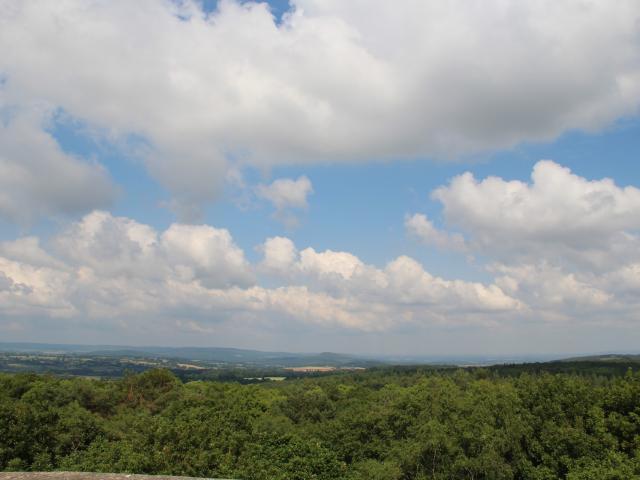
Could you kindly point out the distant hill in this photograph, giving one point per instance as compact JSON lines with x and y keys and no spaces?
{"x":204,"y":354}
{"x":225,"y":356}
{"x":609,"y":357}
{"x":609,"y":365}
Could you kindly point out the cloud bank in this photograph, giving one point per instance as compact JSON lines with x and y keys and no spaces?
{"x":121,"y":274}
{"x":562,"y":249}
{"x":333,"y":81}
{"x":38,"y":179}
{"x":559,"y":216}
{"x":566,"y":246}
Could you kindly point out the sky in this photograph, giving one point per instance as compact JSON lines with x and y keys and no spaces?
{"x":371,"y":177}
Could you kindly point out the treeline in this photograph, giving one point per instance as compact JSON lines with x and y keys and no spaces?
{"x":449,"y":424}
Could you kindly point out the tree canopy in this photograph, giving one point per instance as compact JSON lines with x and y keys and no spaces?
{"x":385,"y":424}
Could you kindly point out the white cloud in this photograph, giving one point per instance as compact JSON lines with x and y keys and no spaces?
{"x":113,"y":274}
{"x":118,"y":246}
{"x":410,"y":283}
{"x":402,"y":284}
{"x":279,"y":255}
{"x":28,"y":250}
{"x":122,"y":275}
{"x":566,"y":247}
{"x":422,"y":228}
{"x":34,"y":291}
{"x":110,"y":246}
{"x":208,"y":254}
{"x":329,"y":263}
{"x":38,"y":179}
{"x":335,"y":81}
{"x":559,"y":216}
{"x":286,"y":195}
{"x":549,"y":287}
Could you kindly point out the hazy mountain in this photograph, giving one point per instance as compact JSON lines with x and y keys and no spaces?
{"x":205,"y":354}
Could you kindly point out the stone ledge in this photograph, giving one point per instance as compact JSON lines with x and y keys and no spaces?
{"x":87,"y":476}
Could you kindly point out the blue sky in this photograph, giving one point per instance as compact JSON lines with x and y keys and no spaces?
{"x":218,"y":177}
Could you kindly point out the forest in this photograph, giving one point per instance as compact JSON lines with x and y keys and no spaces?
{"x":380,"y":424}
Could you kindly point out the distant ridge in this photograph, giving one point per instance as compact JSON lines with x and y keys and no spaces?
{"x":231,"y":355}
{"x":608,"y":357}
{"x":222,"y":355}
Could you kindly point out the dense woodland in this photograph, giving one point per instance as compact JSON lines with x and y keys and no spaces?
{"x":382,"y":424}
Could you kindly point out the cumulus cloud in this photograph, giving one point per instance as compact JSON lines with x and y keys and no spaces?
{"x":422,"y":228}
{"x":118,"y":246}
{"x":403,"y":283}
{"x":209,"y":253}
{"x":557,"y":216}
{"x":116,"y":274}
{"x":286,"y":194}
{"x":279,"y":255}
{"x":121,"y":274}
{"x":334,"y":81}
{"x":549,"y":287}
{"x":28,"y":250}
{"x":38,"y":179}
{"x":566,"y":246}
{"x":34,"y":291}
